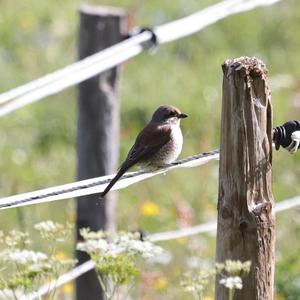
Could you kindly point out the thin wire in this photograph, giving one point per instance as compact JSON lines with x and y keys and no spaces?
{"x":70,"y":80}
{"x":199,"y":20}
{"x":212,"y":226}
{"x":75,"y":67}
{"x":97,"y":185}
{"x":156,"y":237}
{"x":177,"y":234}
{"x":112,"y":56}
{"x":287,"y":204}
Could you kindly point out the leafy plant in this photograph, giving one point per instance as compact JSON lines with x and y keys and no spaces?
{"x":24,"y":269}
{"x":115,"y":257}
{"x":230,"y":271}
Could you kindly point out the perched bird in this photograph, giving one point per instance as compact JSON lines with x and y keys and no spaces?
{"x":159,"y":143}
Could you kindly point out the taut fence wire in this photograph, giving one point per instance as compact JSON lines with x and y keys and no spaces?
{"x":79,"y":71}
{"x":97,"y":185}
{"x":286,"y":136}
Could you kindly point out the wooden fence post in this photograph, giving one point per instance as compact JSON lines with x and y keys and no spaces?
{"x":246,"y":219}
{"x":98,"y":130}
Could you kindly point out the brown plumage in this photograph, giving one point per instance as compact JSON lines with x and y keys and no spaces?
{"x":160,"y":142}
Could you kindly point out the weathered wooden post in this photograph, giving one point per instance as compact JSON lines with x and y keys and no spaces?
{"x":246,"y":220}
{"x":98,"y":130}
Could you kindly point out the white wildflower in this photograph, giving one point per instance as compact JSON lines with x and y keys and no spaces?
{"x":123,"y":238}
{"x":16,"y":238}
{"x":232,"y":282}
{"x":144,"y":248}
{"x":87,"y":234}
{"x":53,"y":231}
{"x":98,"y":247}
{"x":234,"y":267}
{"x":25,"y":256}
{"x":190,"y":288}
{"x":194,"y":288}
{"x":40,"y":267}
{"x":48,"y":226}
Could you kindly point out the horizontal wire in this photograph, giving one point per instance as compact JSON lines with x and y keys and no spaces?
{"x":75,"y":67}
{"x":156,"y":237}
{"x":97,"y":185}
{"x":113,"y":56}
{"x":184,"y":232}
{"x":195,"y":22}
{"x":70,"y":80}
{"x":211,"y":226}
{"x":287,"y":204}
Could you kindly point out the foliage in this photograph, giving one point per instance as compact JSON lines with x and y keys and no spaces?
{"x":233,"y":268}
{"x":114,"y":257}
{"x":196,"y":283}
{"x":231,"y":273}
{"x":24,"y":270}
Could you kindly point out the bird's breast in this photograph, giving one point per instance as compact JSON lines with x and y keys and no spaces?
{"x":171,"y":150}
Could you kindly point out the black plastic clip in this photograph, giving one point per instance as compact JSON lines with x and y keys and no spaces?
{"x":150,"y":44}
{"x":282,"y":136}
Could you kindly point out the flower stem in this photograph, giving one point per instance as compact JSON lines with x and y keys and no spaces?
{"x":103,"y":287}
{"x":231,"y":294}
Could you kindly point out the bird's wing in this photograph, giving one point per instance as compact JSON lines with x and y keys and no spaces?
{"x":148,"y":142}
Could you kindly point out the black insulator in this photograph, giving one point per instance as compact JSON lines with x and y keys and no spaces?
{"x":152,"y":43}
{"x":282,"y":134}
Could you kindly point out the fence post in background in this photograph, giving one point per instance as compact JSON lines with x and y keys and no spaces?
{"x":98,"y":130}
{"x":246,"y":219}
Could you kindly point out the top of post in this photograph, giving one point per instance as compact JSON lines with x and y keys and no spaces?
{"x":102,"y":10}
{"x":245,"y":65}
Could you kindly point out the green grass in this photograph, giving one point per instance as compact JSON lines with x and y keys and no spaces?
{"x":37,"y":143}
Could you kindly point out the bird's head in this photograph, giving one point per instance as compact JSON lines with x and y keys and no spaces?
{"x":168,"y":114}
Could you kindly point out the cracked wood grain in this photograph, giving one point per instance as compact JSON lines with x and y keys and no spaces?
{"x":246,"y":220}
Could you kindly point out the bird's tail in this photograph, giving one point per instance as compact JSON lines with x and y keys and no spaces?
{"x":122,"y":170}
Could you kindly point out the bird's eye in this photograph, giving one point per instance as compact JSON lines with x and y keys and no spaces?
{"x":172,"y":113}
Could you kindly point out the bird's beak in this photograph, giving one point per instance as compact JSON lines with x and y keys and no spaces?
{"x":182,"y":116}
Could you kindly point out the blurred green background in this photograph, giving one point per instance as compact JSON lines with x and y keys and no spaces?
{"x":37,"y":143}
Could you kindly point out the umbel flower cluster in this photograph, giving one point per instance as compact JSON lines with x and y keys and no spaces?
{"x":231,"y":273}
{"x":24,"y":257}
{"x":107,"y":244}
{"x":232,"y":282}
{"x":24,"y":269}
{"x":115,"y":256}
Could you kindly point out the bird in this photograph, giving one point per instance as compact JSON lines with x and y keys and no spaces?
{"x":159,"y":143}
